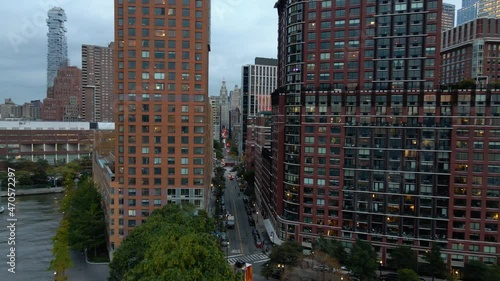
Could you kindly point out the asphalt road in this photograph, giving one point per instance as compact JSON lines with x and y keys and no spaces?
{"x":241,"y":240}
{"x":83,"y":271}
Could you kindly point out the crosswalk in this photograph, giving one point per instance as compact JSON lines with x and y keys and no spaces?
{"x":255,"y":258}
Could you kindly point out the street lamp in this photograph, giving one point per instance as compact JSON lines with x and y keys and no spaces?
{"x":257,"y":213}
{"x":380,"y":268}
{"x":227,"y":249}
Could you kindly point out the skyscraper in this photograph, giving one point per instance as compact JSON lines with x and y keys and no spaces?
{"x":468,"y":11}
{"x":472,"y":9}
{"x":236,"y":118}
{"x":353,"y":78}
{"x":448,"y":16}
{"x":57,"y":54}
{"x":214,"y":101}
{"x":98,"y":101}
{"x":258,"y":82}
{"x":224,"y":106}
{"x":164,"y":135}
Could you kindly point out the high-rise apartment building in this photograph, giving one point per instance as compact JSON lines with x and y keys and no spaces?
{"x":66,"y":100}
{"x":164,"y":135}
{"x":470,"y":51}
{"x":448,"y":16}
{"x":364,"y":146}
{"x":259,"y":80}
{"x":472,"y":9}
{"x":57,"y":54}
{"x":98,"y":101}
{"x":235,"y":118}
{"x":214,"y":102}
{"x":389,"y":158}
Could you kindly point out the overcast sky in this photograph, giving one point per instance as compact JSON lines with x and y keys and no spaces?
{"x":241,"y":31}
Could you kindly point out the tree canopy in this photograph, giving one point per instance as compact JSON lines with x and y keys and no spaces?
{"x":87,"y":229}
{"x":478,"y":271}
{"x":403,"y":257}
{"x":173,"y":244}
{"x":407,"y":274}
{"x":61,"y":256}
{"x":333,"y":248}
{"x":437,"y":266}
{"x":363,"y":261}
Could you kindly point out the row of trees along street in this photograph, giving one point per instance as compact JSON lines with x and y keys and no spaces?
{"x":39,"y":173}
{"x":363,"y":262}
{"x":82,"y":227}
{"x":175,"y":243}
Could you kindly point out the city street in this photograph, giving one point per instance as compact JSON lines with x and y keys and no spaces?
{"x":241,"y":240}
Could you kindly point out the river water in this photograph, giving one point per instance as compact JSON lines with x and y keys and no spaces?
{"x":38,"y":218}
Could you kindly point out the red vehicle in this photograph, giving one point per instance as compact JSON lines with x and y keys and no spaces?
{"x":231,"y":177}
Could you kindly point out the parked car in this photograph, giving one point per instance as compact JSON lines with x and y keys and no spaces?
{"x":223,"y":239}
{"x":321,"y":268}
{"x":259,"y":244}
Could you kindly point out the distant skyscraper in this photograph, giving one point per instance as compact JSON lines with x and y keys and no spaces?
{"x":448,"y":16}
{"x":214,"y":102}
{"x":97,"y":83}
{"x":57,"y":54}
{"x":259,"y":80}
{"x":489,"y":9}
{"x":236,"y":118}
{"x":224,"y":106}
{"x":468,"y":11}
{"x":472,"y":9}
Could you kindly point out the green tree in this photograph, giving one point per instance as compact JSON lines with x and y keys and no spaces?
{"x":403,"y":257}
{"x":407,"y":274}
{"x":61,"y":256}
{"x":363,"y":261}
{"x":334,"y":248}
{"x":86,"y":218}
{"x":218,"y":150}
{"x":465,"y":84}
{"x":493,"y":273}
{"x":190,"y":256}
{"x":39,"y":176}
{"x":173,"y":244}
{"x":474,"y":271}
{"x":249,"y":177}
{"x":478,"y":271}
{"x":24,"y":178}
{"x":288,"y":254}
{"x":437,"y":267}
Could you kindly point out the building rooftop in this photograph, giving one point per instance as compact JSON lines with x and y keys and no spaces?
{"x":47,"y":125}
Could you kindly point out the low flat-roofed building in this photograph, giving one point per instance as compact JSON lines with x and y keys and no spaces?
{"x":56,"y":142}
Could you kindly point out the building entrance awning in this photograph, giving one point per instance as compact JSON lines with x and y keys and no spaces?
{"x":272,"y":233}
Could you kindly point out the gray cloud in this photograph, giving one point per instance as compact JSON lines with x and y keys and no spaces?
{"x":241,"y":30}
